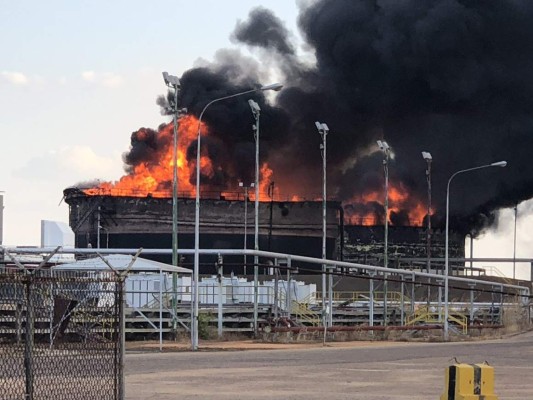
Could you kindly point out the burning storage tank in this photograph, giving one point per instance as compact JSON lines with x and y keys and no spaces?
{"x":112,"y":221}
{"x":136,"y":211}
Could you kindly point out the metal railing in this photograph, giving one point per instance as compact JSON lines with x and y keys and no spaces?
{"x":356,"y":296}
{"x":435,"y":314}
{"x":360,"y":271}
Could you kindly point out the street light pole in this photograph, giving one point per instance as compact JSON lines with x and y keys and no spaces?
{"x":174,"y":83}
{"x":194,"y":325}
{"x":241,"y":184}
{"x":323,"y":130}
{"x":514,"y":240}
{"x":256,"y":111}
{"x":446,"y":260}
{"x":427,"y":156}
{"x":385,"y":148}
{"x":429,"y":159}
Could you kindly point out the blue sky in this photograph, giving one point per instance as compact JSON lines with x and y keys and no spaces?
{"x":77,"y":77}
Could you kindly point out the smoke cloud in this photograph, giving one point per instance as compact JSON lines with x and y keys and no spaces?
{"x":452,"y":77}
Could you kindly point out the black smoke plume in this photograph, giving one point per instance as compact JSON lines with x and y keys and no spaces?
{"x":452,"y":77}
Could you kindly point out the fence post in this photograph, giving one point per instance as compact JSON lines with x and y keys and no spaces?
{"x":28,"y":348}
{"x":220,"y":315}
{"x":288,"y":300}
{"x":122,"y":337}
{"x":501,"y":305}
{"x":471,"y":303}
{"x":371,"y":301}
{"x":440,"y":300}
{"x":413,"y":293}
{"x":402,"y":303}
{"x":276,"y":289}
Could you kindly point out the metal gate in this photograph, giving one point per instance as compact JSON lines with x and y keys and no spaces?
{"x":61,"y":335}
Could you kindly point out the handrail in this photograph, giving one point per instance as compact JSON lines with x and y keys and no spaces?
{"x":353,"y":296}
{"x":525,"y":292}
{"x":498,"y":273}
{"x":422,"y":314}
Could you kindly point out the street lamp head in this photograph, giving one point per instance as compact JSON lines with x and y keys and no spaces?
{"x":383,"y":146}
{"x":254,"y":106}
{"x":499,"y":164}
{"x":427,"y":156}
{"x":171,"y":80}
{"x":322,"y":127}
{"x":275,"y":87}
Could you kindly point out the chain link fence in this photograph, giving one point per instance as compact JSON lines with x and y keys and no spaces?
{"x":60,"y":335}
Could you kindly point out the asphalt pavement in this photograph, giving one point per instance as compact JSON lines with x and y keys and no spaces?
{"x":352,"y":370}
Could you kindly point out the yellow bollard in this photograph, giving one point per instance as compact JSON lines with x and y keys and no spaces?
{"x":469,"y":382}
{"x":486,"y":382}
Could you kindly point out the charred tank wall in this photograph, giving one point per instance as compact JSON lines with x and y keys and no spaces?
{"x":133,"y":222}
{"x":365,"y":244}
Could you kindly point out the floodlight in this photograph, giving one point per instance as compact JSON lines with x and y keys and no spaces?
{"x":254,"y":106}
{"x":275,"y":87}
{"x":427,"y":156}
{"x":165,"y":77}
{"x":322,"y":127}
{"x":499,"y":164}
{"x":171,"y":80}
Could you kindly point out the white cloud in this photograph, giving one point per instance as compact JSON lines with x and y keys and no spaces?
{"x":16,"y":78}
{"x":71,"y":164}
{"x":88,"y":76}
{"x":85,"y":161}
{"x":107,"y":79}
{"x":112,"y":80}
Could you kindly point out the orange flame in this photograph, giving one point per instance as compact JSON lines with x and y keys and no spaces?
{"x":399,"y":199}
{"x":154,"y":178}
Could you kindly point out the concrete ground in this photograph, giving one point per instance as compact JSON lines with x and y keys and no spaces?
{"x":354,"y":370}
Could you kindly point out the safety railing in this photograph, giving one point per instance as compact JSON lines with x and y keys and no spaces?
{"x":301,"y":311}
{"x":379,"y":296}
{"x":494,"y":271}
{"x":435,"y":315}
